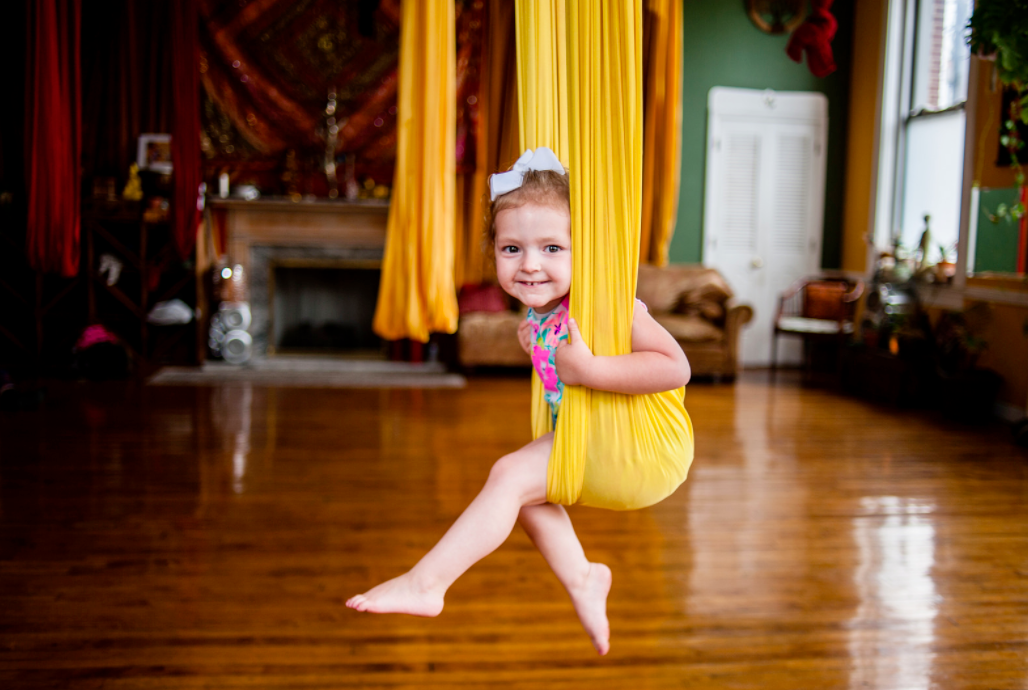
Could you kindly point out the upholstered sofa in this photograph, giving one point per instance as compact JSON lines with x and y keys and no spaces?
{"x":693,"y":303}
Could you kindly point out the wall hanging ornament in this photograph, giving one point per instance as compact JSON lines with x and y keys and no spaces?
{"x":776,"y":16}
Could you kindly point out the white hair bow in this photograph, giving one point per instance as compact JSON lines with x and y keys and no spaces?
{"x":541,"y":159}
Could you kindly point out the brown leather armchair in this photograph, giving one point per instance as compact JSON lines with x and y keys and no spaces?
{"x":693,"y":303}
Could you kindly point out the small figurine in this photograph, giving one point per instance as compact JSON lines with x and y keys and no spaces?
{"x":331,"y":135}
{"x":157,"y":210}
{"x":134,"y":187}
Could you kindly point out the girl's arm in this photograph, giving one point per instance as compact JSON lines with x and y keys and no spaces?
{"x":655,"y":364}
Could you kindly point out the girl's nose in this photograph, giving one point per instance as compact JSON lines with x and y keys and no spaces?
{"x":531,"y":263}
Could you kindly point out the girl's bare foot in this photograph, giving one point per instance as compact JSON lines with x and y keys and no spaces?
{"x":399,"y":595}
{"x":590,"y":600}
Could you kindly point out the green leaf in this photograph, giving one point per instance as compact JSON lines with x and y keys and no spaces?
{"x":1004,"y":140}
{"x":1001,"y":210}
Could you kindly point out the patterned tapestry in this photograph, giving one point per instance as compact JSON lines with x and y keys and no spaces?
{"x":287,"y":83}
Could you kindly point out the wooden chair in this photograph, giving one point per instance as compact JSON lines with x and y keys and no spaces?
{"x":816,"y":310}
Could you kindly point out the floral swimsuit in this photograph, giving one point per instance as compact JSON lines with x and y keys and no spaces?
{"x":549,"y":330}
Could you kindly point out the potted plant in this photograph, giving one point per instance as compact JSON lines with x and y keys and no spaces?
{"x":999,"y":32}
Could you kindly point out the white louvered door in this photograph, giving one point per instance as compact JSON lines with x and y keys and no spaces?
{"x":791,"y":236}
{"x":764,"y":202}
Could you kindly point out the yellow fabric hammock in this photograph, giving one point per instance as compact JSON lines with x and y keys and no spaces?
{"x":580,"y":84}
{"x":417,"y":294}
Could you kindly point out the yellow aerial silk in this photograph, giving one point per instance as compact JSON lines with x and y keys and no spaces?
{"x":662,"y":140}
{"x":417,"y":294}
{"x":610,"y":450}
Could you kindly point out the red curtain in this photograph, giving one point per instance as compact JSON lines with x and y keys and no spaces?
{"x":126,"y":82}
{"x":53,"y":135}
{"x":185,"y":127}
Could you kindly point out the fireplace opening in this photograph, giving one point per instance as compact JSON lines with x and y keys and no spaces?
{"x":319,"y":308}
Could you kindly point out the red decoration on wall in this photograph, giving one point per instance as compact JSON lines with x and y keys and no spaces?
{"x":470,"y":35}
{"x":815,"y":37}
{"x":185,"y":128}
{"x":266,"y":71}
{"x":53,"y":129}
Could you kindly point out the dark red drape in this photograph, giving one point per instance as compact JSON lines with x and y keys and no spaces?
{"x":126,"y":82}
{"x":185,"y":127}
{"x":53,"y":135}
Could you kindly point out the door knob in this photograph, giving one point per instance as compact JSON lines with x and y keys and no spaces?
{"x":757,"y":262}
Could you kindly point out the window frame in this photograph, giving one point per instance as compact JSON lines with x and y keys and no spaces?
{"x":894,"y":114}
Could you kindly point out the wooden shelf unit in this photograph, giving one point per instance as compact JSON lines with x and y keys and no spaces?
{"x":151,"y":272}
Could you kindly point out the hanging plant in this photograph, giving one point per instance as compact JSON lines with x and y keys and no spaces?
{"x":999,"y":29}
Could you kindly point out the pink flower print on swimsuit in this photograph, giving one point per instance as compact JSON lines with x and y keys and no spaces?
{"x":549,"y":330}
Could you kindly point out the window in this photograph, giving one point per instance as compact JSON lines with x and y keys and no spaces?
{"x":921,"y":163}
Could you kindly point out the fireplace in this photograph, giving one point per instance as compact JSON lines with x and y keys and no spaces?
{"x":324,"y":255}
{"x":323,"y":306}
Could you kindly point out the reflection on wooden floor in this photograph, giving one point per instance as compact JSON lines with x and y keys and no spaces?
{"x":199,"y":537}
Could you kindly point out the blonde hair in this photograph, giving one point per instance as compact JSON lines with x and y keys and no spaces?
{"x":540,"y":187}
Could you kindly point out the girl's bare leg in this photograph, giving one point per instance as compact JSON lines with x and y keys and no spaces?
{"x":550,"y":529}
{"x":516,"y":480}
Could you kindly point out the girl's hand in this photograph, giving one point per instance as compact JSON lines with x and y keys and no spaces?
{"x":525,"y":337}
{"x":573,"y":358}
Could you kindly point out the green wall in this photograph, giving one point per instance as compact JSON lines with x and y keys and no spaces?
{"x":996,"y":243}
{"x":723,"y":48}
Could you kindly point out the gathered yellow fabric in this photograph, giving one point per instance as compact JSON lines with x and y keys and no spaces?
{"x":662,"y":140}
{"x":417,"y":295}
{"x":610,"y":450}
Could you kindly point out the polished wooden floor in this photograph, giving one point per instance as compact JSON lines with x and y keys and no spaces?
{"x":208,"y":537}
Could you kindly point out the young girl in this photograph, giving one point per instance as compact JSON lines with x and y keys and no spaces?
{"x":531,"y":237}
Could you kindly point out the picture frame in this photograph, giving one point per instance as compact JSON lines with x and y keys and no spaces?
{"x":154,"y":153}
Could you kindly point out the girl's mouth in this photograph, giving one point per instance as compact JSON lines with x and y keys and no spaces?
{"x":534,"y":284}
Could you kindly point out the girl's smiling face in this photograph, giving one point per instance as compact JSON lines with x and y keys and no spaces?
{"x":533,"y":254}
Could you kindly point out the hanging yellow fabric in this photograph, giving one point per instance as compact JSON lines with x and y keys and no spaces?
{"x":543,"y":74}
{"x":662,"y":129}
{"x":610,"y":450}
{"x":471,"y":262}
{"x":417,"y":295}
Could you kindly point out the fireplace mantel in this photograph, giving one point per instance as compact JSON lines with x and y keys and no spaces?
{"x":322,"y":223}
